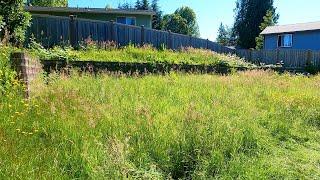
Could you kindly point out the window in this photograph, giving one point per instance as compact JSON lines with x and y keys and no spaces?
{"x":127,"y":20}
{"x":285,"y":40}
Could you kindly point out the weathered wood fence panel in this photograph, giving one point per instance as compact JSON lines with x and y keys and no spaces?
{"x":53,"y":30}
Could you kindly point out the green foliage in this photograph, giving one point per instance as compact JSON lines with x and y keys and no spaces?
{"x":144,"y":54}
{"x":225,"y":36}
{"x":248,"y":18}
{"x":182,"y":21}
{"x":9,"y":85}
{"x":142,"y":5}
{"x":15,"y":19}
{"x":269,"y":19}
{"x":49,"y":3}
{"x":157,"y":20}
{"x":252,"y":125}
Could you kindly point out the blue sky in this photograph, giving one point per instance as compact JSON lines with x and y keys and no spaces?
{"x":211,"y":13}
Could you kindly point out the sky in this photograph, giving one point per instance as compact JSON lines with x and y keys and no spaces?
{"x":210,"y":13}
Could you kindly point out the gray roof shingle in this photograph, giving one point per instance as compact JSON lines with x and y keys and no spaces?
{"x":292,"y":28}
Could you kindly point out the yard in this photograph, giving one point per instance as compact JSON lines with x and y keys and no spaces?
{"x":255,"y":125}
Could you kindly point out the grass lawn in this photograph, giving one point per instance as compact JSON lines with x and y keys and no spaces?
{"x":255,"y":125}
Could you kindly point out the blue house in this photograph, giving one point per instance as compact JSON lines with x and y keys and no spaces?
{"x":304,"y":36}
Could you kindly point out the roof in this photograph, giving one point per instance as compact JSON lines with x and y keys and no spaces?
{"x":292,"y":28}
{"x":89,"y":10}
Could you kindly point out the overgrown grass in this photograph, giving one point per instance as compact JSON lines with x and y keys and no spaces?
{"x":254,"y":125}
{"x":144,"y":54}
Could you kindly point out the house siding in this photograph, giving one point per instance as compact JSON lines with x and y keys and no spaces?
{"x":307,"y":40}
{"x":145,"y":20}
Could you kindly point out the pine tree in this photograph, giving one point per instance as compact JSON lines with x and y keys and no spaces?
{"x":223,"y":36}
{"x":157,"y":18}
{"x":269,"y":19}
{"x":145,"y":5}
{"x":138,"y":5}
{"x":249,"y":16}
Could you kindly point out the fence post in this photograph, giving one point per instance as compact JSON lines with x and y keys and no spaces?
{"x":113,"y":32}
{"x":73,"y":31}
{"x":207,"y":43}
{"x":142,"y":35}
{"x":278,"y":55}
{"x":309,"y":58}
{"x":250,"y":55}
{"x":170,"y":40}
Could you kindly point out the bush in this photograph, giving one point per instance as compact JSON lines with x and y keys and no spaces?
{"x":8,"y":78}
{"x":16,"y":21}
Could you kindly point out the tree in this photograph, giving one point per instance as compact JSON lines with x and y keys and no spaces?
{"x":157,"y":18}
{"x":226,"y":36}
{"x":125,"y":6}
{"x":223,"y":35}
{"x":142,"y":5}
{"x":48,"y":3}
{"x":175,"y":23}
{"x":15,"y":21}
{"x":269,"y":19}
{"x":182,"y":21}
{"x":249,"y":16}
{"x":138,"y":4}
{"x":145,"y":5}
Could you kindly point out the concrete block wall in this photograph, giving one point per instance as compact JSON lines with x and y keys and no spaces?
{"x":27,"y":68}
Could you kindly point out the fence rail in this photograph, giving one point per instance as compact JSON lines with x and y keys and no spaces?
{"x":54,"y":30}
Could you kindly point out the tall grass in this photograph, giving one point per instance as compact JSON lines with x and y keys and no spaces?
{"x":255,"y":125}
{"x":145,"y":54}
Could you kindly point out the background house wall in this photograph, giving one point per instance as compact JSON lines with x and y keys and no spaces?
{"x":145,"y":20}
{"x":306,"y":40}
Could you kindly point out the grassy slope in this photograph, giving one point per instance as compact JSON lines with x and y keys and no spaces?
{"x":253,"y":125}
{"x":145,"y":54}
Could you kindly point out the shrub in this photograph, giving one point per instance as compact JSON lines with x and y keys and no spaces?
{"x":16,"y":21}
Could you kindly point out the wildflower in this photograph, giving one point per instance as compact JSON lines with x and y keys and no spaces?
{"x":5,"y":140}
{"x":10,"y":106}
{"x":36,"y":105}
{"x":18,"y":130}
{"x":36,"y":130}
{"x":26,"y":105}
{"x":12,"y":122}
{"x":12,"y":116}
{"x":30,"y":133}
{"x":17,"y":112}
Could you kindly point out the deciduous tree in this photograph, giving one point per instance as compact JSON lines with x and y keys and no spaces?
{"x":49,"y":3}
{"x":182,"y":21}
{"x":15,"y":21}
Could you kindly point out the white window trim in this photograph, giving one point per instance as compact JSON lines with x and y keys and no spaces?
{"x":135,"y":19}
{"x":291,"y":35}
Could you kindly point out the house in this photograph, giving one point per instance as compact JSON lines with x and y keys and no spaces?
{"x":304,"y":36}
{"x":130,"y":16}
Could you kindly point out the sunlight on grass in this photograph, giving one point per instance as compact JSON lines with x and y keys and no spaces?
{"x":257,"y":125}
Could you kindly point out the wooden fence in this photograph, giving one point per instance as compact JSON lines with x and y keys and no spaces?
{"x":290,"y":59}
{"x":54,"y":30}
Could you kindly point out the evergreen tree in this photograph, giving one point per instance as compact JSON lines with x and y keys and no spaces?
{"x":142,"y":5}
{"x":269,"y":19}
{"x":157,"y":18}
{"x":137,"y":5}
{"x":223,"y":35}
{"x":145,"y":5}
{"x":249,"y":16}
